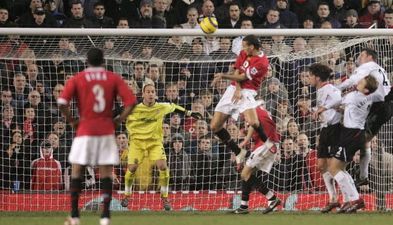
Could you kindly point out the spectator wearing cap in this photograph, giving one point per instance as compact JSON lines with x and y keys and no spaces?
{"x":388,"y":18}
{"x":29,"y":18}
{"x":352,"y":20}
{"x":323,"y":14}
{"x":46,"y":171}
{"x":78,"y":19}
{"x":274,"y":91}
{"x":55,"y":9}
{"x":262,"y":7}
{"x":339,"y":11}
{"x":303,"y":8}
{"x":287,"y":18}
{"x":4,"y":18}
{"x":179,"y":163}
{"x":371,"y":14}
{"x":40,"y":19}
{"x":99,"y":20}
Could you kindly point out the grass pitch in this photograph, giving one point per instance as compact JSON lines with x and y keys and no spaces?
{"x":202,"y":218}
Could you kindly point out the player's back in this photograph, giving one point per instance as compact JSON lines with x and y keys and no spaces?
{"x":95,"y":90}
{"x":269,"y":126}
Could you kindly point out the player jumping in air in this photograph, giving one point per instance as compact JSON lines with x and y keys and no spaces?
{"x":328,"y":98}
{"x":95,"y":90}
{"x":262,"y":158}
{"x":145,"y":133}
{"x":352,"y":138}
{"x":250,"y":68}
{"x":381,"y":110}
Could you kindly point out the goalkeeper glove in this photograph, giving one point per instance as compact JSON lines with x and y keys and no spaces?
{"x":195,"y":115}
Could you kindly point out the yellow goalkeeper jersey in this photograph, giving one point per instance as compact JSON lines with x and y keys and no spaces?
{"x":145,"y":122}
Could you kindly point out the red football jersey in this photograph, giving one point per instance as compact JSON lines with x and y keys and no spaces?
{"x":255,"y":68}
{"x":95,"y":90}
{"x":269,"y":126}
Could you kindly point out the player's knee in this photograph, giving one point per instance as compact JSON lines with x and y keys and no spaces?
{"x":132,"y":168}
{"x":214,"y":127}
{"x":246,"y":174}
{"x":253,"y":123}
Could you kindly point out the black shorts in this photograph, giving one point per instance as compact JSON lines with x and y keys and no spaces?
{"x":379,"y":114}
{"x":351,"y":140}
{"x":328,"y":138}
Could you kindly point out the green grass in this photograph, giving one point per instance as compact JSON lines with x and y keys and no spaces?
{"x":202,"y":218}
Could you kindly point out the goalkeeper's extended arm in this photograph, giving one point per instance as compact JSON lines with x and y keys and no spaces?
{"x":179,"y":109}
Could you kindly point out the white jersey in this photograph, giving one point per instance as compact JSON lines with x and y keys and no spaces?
{"x":329,"y":97}
{"x":357,"y":107}
{"x":374,"y":70}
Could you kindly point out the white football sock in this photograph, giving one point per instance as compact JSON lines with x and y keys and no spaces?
{"x":329,"y":183}
{"x":349,"y":177}
{"x":346,"y":187}
{"x":364,"y":162}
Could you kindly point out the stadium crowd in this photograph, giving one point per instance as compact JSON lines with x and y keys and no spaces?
{"x":35,"y":141}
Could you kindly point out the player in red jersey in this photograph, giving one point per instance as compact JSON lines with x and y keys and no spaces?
{"x":261,"y":159}
{"x":95,"y":90}
{"x":250,"y":68}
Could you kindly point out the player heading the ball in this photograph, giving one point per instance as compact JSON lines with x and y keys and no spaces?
{"x":250,"y":68}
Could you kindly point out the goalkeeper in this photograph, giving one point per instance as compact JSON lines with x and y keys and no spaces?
{"x":144,"y":126}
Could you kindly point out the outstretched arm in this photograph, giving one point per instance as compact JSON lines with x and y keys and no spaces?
{"x":181,"y":110}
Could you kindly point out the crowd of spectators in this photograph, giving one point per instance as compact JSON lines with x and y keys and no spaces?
{"x":266,"y":14}
{"x":35,"y":140}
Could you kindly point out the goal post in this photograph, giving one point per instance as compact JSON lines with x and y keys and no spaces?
{"x":36,"y":63}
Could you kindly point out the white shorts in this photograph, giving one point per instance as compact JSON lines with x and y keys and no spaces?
{"x":94,"y":150}
{"x":262,"y":159}
{"x":226,"y":105}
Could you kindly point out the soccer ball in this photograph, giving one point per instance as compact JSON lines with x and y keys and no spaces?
{"x":209,"y":25}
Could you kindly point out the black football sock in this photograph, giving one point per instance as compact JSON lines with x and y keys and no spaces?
{"x":107,"y":196}
{"x":228,"y":141}
{"x":246,"y":190}
{"x":260,"y":132}
{"x":263,"y":189}
{"x":75,"y":188}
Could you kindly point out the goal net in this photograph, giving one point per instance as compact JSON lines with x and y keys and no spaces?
{"x":203,"y":173}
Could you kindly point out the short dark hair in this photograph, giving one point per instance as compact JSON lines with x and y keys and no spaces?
{"x":252,"y":40}
{"x":371,"y":84}
{"x":99,"y":3}
{"x":323,"y":3}
{"x":321,"y":71}
{"x":371,"y":52}
{"x":95,"y":57}
{"x":234,"y":3}
{"x":76,"y":2}
{"x":389,"y":11}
